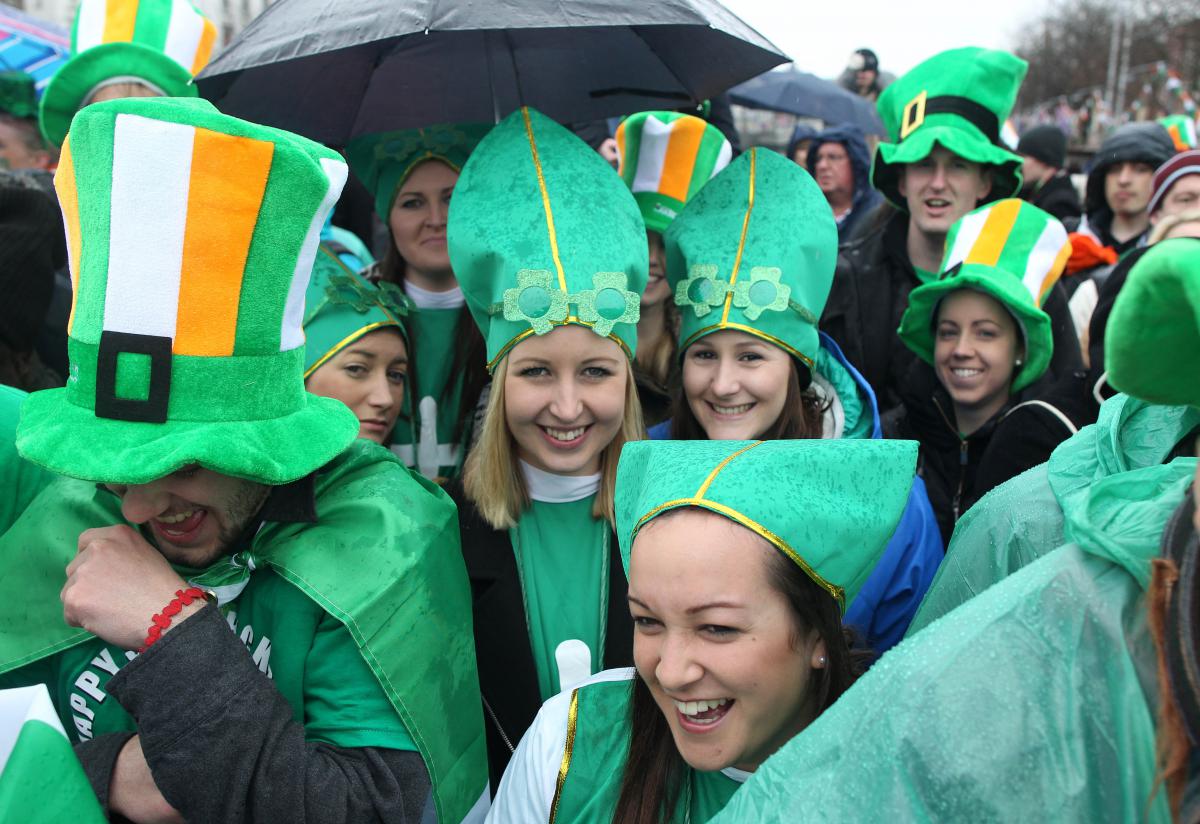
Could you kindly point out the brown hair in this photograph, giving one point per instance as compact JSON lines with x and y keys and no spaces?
{"x":657,"y":360}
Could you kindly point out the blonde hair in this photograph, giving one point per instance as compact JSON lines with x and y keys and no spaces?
{"x":492,"y":478}
{"x":1168,"y":222}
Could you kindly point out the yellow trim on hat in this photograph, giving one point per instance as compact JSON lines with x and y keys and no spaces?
{"x":541,"y":178}
{"x":568,"y":751}
{"x":737,"y":260}
{"x":346,"y":341}
{"x":712,"y":476}
{"x":570,"y":321}
{"x":749,"y":330}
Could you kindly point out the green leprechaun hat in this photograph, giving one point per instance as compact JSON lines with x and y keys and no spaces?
{"x":384,"y":161}
{"x":1011,"y":251}
{"x":341,"y":306}
{"x":665,"y":158}
{"x":18,"y":95}
{"x":543,"y":233}
{"x":191,"y":238}
{"x":1153,"y":333}
{"x":958,"y":99}
{"x":830,"y":506}
{"x":754,"y":251}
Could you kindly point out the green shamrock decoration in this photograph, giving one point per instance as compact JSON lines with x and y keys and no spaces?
{"x":608,"y":303}
{"x":348,"y":291}
{"x":393,"y":299}
{"x":761,"y":292}
{"x":535,"y":301}
{"x":703,"y":290}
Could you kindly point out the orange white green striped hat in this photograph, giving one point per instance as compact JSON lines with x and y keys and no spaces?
{"x":665,"y":157}
{"x":191,"y":238}
{"x":1011,"y":251}
{"x":1182,"y":129}
{"x":161,"y":44}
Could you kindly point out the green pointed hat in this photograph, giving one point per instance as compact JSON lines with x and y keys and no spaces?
{"x":830,"y":506}
{"x":191,"y":238}
{"x":543,"y":233}
{"x":384,"y":161}
{"x":160,"y":43}
{"x":665,"y":158}
{"x":1153,"y":334}
{"x":340,"y":307}
{"x":754,"y":251}
{"x":958,"y":99}
{"x":1011,"y":251}
{"x":18,"y":96}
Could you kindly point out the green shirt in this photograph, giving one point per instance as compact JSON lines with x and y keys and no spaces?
{"x":562,"y":558}
{"x":20,"y":481}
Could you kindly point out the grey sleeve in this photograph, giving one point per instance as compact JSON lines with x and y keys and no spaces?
{"x":223,"y":747}
{"x":99,"y":759}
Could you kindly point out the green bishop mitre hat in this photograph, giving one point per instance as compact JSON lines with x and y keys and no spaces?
{"x":665,"y":158}
{"x":191,"y":237}
{"x":830,"y":506}
{"x":1153,"y":335}
{"x":160,"y":43}
{"x":383,"y":161}
{"x":543,"y":233}
{"x":754,"y":251}
{"x":1011,"y":251}
{"x":958,"y":99}
{"x":341,"y":306}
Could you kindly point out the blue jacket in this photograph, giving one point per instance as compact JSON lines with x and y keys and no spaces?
{"x":889,"y":599}
{"x":865,"y":197}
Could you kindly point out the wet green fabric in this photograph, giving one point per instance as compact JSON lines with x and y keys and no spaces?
{"x":43,"y":782}
{"x":562,"y":558}
{"x":20,"y":480}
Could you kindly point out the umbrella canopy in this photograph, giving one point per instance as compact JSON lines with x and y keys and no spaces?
{"x":334,"y":69}
{"x":31,"y":46}
{"x":807,"y":95}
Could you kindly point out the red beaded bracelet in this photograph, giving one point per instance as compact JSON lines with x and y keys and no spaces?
{"x":161,"y":621}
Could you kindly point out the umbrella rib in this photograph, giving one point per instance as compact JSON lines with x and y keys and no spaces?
{"x":637,"y":30}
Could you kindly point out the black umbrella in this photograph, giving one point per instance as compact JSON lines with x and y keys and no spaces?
{"x":807,"y":95}
{"x":333,"y":69}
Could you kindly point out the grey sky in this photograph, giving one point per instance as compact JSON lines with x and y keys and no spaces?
{"x":820,"y":35}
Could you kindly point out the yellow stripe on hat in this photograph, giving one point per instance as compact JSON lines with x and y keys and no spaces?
{"x":68,"y":201}
{"x":621,"y":157}
{"x":682,"y":148}
{"x":204,"y":51}
{"x":120,"y":17}
{"x":995,"y":232}
{"x":541,"y":179}
{"x":228,"y":180}
{"x":737,"y":260}
{"x":1060,"y":263}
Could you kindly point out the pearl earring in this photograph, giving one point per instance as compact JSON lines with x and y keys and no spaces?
{"x":821,"y":661}
{"x":1018,"y":362}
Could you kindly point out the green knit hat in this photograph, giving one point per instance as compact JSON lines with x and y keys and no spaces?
{"x":543,"y":233}
{"x":665,"y":158}
{"x":18,"y":96}
{"x":384,"y":161}
{"x":160,"y":43}
{"x":830,"y":506}
{"x":340,"y":307}
{"x":958,"y":99}
{"x":754,"y":251}
{"x":1154,"y":330}
{"x":1010,"y":250}
{"x":191,"y":238}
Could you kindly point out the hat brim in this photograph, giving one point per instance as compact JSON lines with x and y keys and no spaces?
{"x":72,"y":440}
{"x":916,"y":326}
{"x":885,"y":172}
{"x":66,"y":91}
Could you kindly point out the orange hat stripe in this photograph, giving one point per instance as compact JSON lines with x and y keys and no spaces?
{"x":1060,"y":263}
{"x":119,"y":21}
{"x":220,"y":226}
{"x":682,"y":148}
{"x":204,"y":51}
{"x":68,"y":201}
{"x":621,"y":155}
{"x":994,"y":233}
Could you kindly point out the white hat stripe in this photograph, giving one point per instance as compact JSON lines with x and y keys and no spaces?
{"x":1041,"y":259}
{"x":152,"y":164}
{"x":652,"y":155}
{"x":183,"y":33}
{"x":89,"y":25}
{"x":292,"y":333}
{"x":969,"y":229}
{"x":723,"y":157}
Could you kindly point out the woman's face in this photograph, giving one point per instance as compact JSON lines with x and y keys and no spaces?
{"x":368,"y":376}
{"x":564,"y":398}
{"x":716,"y":642}
{"x":418,"y":217}
{"x":976,"y":345}
{"x":657,"y":287}
{"x":735,"y":384}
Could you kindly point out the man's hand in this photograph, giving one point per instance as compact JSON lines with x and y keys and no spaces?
{"x":117,"y":583}
{"x":133,"y":792}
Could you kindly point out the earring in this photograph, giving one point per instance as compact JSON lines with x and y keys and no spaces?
{"x":1018,"y":362}
{"x":821,"y":661}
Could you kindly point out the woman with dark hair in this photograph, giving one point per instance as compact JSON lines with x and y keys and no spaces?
{"x":412,"y":175}
{"x":741,"y":559}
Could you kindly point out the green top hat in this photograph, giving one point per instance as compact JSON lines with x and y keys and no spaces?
{"x":18,"y":96}
{"x":1154,"y":329}
{"x":543,"y":233}
{"x":665,"y":158}
{"x":191,"y":238}
{"x":829,"y":506}
{"x":754,"y":251}
{"x":340,"y":307}
{"x":161,"y":43}
{"x":1009,"y":250}
{"x":957,"y":99}
{"x":384,"y":161}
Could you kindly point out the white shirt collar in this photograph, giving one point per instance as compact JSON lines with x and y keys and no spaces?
{"x":427,"y":299}
{"x":740,"y":776}
{"x":558,"y":489}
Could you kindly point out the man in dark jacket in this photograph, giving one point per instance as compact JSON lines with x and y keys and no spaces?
{"x":838,"y":159}
{"x":1043,"y":151}
{"x":945,"y":159}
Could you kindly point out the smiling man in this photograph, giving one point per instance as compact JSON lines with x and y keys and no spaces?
{"x":944,"y":160}
{"x":261,"y":618}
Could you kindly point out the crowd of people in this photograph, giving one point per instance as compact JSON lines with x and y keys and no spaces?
{"x":728,"y":485}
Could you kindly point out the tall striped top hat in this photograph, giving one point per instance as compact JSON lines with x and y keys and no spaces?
{"x":191,"y":238}
{"x":665,"y":158}
{"x":1182,"y":129}
{"x":1011,"y":251}
{"x":159,"y":43}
